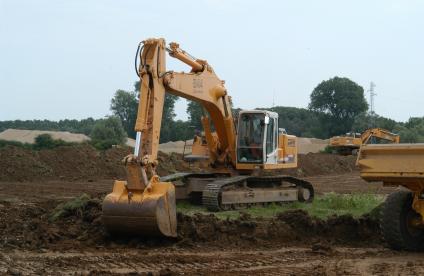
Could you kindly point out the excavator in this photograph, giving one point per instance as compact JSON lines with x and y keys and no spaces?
{"x":242,"y":156}
{"x":350,"y":143}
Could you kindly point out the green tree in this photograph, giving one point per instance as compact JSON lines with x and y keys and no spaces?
{"x":195,"y":113}
{"x":124,"y":104}
{"x":46,"y":141}
{"x":108,"y":132}
{"x":338,"y":101}
{"x":182,"y":130}
{"x":168,"y":127}
{"x":83,"y":126}
{"x":297,"y":121}
{"x":412,"y":131}
{"x":363,"y":122}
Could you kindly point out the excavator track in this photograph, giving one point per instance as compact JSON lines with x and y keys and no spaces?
{"x":300,"y":183}
{"x":212,"y":194}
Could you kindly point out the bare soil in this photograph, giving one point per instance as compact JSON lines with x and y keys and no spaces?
{"x":74,"y":163}
{"x":291,"y":243}
{"x":83,"y":162}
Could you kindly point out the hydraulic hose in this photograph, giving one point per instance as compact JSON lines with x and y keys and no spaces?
{"x":139,"y":50}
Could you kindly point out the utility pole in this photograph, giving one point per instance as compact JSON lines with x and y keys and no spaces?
{"x":372,"y":110}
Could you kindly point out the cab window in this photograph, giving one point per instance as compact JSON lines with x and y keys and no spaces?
{"x":251,"y":138}
{"x":270,"y":137}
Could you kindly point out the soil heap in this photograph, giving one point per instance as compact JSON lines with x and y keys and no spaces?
{"x":83,"y":162}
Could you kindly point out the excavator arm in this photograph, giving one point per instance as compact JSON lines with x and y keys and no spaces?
{"x":201,"y":85}
{"x":143,"y":204}
{"x":380,"y":134}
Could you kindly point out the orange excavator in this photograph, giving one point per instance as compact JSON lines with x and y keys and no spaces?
{"x":240,"y":155}
{"x":351,"y":142}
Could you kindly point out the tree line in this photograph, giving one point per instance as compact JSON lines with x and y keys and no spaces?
{"x":336,"y":106}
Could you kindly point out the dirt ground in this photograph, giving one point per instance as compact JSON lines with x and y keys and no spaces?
{"x":290,"y":244}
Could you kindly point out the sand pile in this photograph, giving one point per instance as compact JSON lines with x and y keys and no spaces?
{"x":311,"y":145}
{"x":28,"y":136}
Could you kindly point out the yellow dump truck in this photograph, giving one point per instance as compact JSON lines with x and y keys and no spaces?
{"x":402,"y":221}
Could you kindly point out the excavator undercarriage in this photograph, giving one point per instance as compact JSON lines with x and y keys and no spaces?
{"x":221,"y":192}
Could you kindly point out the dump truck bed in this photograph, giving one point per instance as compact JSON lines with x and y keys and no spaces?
{"x":392,"y":163}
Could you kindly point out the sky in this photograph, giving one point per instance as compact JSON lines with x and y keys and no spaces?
{"x":65,"y":59}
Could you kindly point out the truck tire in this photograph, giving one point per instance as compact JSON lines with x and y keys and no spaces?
{"x":395,"y":223}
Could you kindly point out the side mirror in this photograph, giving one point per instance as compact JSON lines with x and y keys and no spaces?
{"x":266,"y":120}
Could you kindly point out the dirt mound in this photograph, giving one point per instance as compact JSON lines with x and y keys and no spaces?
{"x":31,"y":227}
{"x":312,"y":164}
{"x":290,"y":228}
{"x":83,"y":162}
{"x":67,"y":162}
{"x":79,"y":162}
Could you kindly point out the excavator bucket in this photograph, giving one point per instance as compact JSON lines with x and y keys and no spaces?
{"x":146,"y":213}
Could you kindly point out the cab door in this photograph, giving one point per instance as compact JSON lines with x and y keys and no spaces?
{"x":271,"y":140}
{"x":251,"y":138}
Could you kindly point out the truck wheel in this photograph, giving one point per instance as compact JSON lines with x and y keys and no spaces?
{"x":396,"y":225}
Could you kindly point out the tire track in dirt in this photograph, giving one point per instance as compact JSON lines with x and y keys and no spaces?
{"x":377,"y":263}
{"x":210,"y":261}
{"x":346,"y":184}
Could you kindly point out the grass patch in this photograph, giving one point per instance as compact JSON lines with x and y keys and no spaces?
{"x":75,"y":206}
{"x":322,"y":207}
{"x":4,"y":143}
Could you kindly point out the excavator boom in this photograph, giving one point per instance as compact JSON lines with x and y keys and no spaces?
{"x":379,"y":133}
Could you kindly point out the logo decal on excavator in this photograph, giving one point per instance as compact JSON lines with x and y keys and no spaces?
{"x":197,"y":85}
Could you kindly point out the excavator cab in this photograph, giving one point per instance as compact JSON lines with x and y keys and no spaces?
{"x":251,"y":138}
{"x":261,"y":144}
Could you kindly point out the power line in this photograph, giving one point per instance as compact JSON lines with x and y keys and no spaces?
{"x":372,"y":108}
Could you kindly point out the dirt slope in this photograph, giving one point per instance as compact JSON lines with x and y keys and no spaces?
{"x":83,"y":162}
{"x":79,"y":162}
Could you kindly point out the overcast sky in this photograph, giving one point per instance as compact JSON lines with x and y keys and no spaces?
{"x":65,"y":59}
